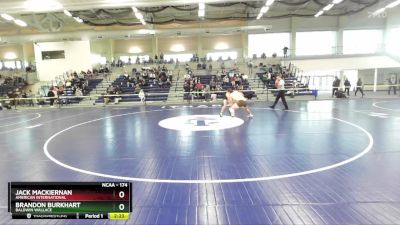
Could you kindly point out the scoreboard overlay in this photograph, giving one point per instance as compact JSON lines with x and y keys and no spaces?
{"x":70,"y":200}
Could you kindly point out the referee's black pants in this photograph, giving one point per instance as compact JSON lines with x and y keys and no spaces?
{"x":281,"y":94}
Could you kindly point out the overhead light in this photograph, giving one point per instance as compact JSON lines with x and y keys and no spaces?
{"x":264,"y":9}
{"x":259,"y":16}
{"x":328,"y":7}
{"x":269,"y":2}
{"x":135,"y":50}
{"x":177,"y":48}
{"x":393,"y":4}
{"x":42,"y":5}
{"x":142,"y":21}
{"x":66,"y":12}
{"x":10,"y":55}
{"x":20,"y":23}
{"x":221,"y":46}
{"x":79,"y":20}
{"x":146,"y":31}
{"x":337,"y":1}
{"x":319,"y":13}
{"x":7,"y":17}
{"x":379,"y":11}
{"x":135,"y":10}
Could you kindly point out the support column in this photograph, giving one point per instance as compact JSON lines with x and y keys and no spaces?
{"x":339,"y":37}
{"x":341,"y":77}
{"x":27,"y":54}
{"x":200,"y":51}
{"x":339,"y":42}
{"x":110,"y":56}
{"x":385,"y":34}
{"x":292,"y":37}
{"x":245,"y":46}
{"x":154,"y":44}
{"x":375,"y":79}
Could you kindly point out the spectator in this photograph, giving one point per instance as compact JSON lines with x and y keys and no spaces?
{"x":359,"y":87}
{"x":392,"y":84}
{"x":51,"y":95}
{"x":347,"y":86}
{"x":263,"y":56}
{"x":335,"y":86}
{"x":285,"y":51}
{"x":206,"y":92}
{"x":30,"y":95}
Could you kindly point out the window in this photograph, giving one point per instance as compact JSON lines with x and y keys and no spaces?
{"x":142,"y":58}
{"x":125,"y":59}
{"x":392,"y":41}
{"x":222,"y":55}
{"x":315,"y":43}
{"x":321,"y":80}
{"x":268,"y":44}
{"x":9,"y":64}
{"x":18,"y":64}
{"x":180,"y":57}
{"x":362,"y":41}
{"x":46,"y":55}
{"x":98,"y":59}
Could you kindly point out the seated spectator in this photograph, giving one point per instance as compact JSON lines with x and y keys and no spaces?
{"x":78,"y":92}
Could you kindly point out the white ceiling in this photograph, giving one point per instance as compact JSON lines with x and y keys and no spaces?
{"x":115,"y":17}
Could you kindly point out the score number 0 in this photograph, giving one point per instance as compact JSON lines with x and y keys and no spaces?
{"x":121,"y":195}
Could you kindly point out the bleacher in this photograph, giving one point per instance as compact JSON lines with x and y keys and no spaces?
{"x":4,"y":89}
{"x":68,"y":91}
{"x":206,"y":79}
{"x":152,"y":92}
{"x":294,"y":85}
{"x":10,"y":87}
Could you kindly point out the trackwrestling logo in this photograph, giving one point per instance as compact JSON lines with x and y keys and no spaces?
{"x":200,"y":123}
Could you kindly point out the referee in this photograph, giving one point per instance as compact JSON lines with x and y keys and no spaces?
{"x":280,"y":86}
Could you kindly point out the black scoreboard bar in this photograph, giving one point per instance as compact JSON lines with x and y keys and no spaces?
{"x":70,"y":200}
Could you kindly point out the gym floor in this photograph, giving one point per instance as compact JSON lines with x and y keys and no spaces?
{"x":321,"y":162}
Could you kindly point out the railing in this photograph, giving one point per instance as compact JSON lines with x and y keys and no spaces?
{"x":262,"y":94}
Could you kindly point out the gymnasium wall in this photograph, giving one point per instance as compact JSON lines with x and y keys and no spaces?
{"x":346,"y":63}
{"x":125,"y":47}
{"x":103,"y":48}
{"x":77,"y":57}
{"x":189,"y":43}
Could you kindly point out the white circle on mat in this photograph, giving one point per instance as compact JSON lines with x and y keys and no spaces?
{"x":200,"y":123}
{"x":207,"y":181}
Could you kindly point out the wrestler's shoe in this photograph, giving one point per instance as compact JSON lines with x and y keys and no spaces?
{"x":250,"y":115}
{"x":220,"y":115}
